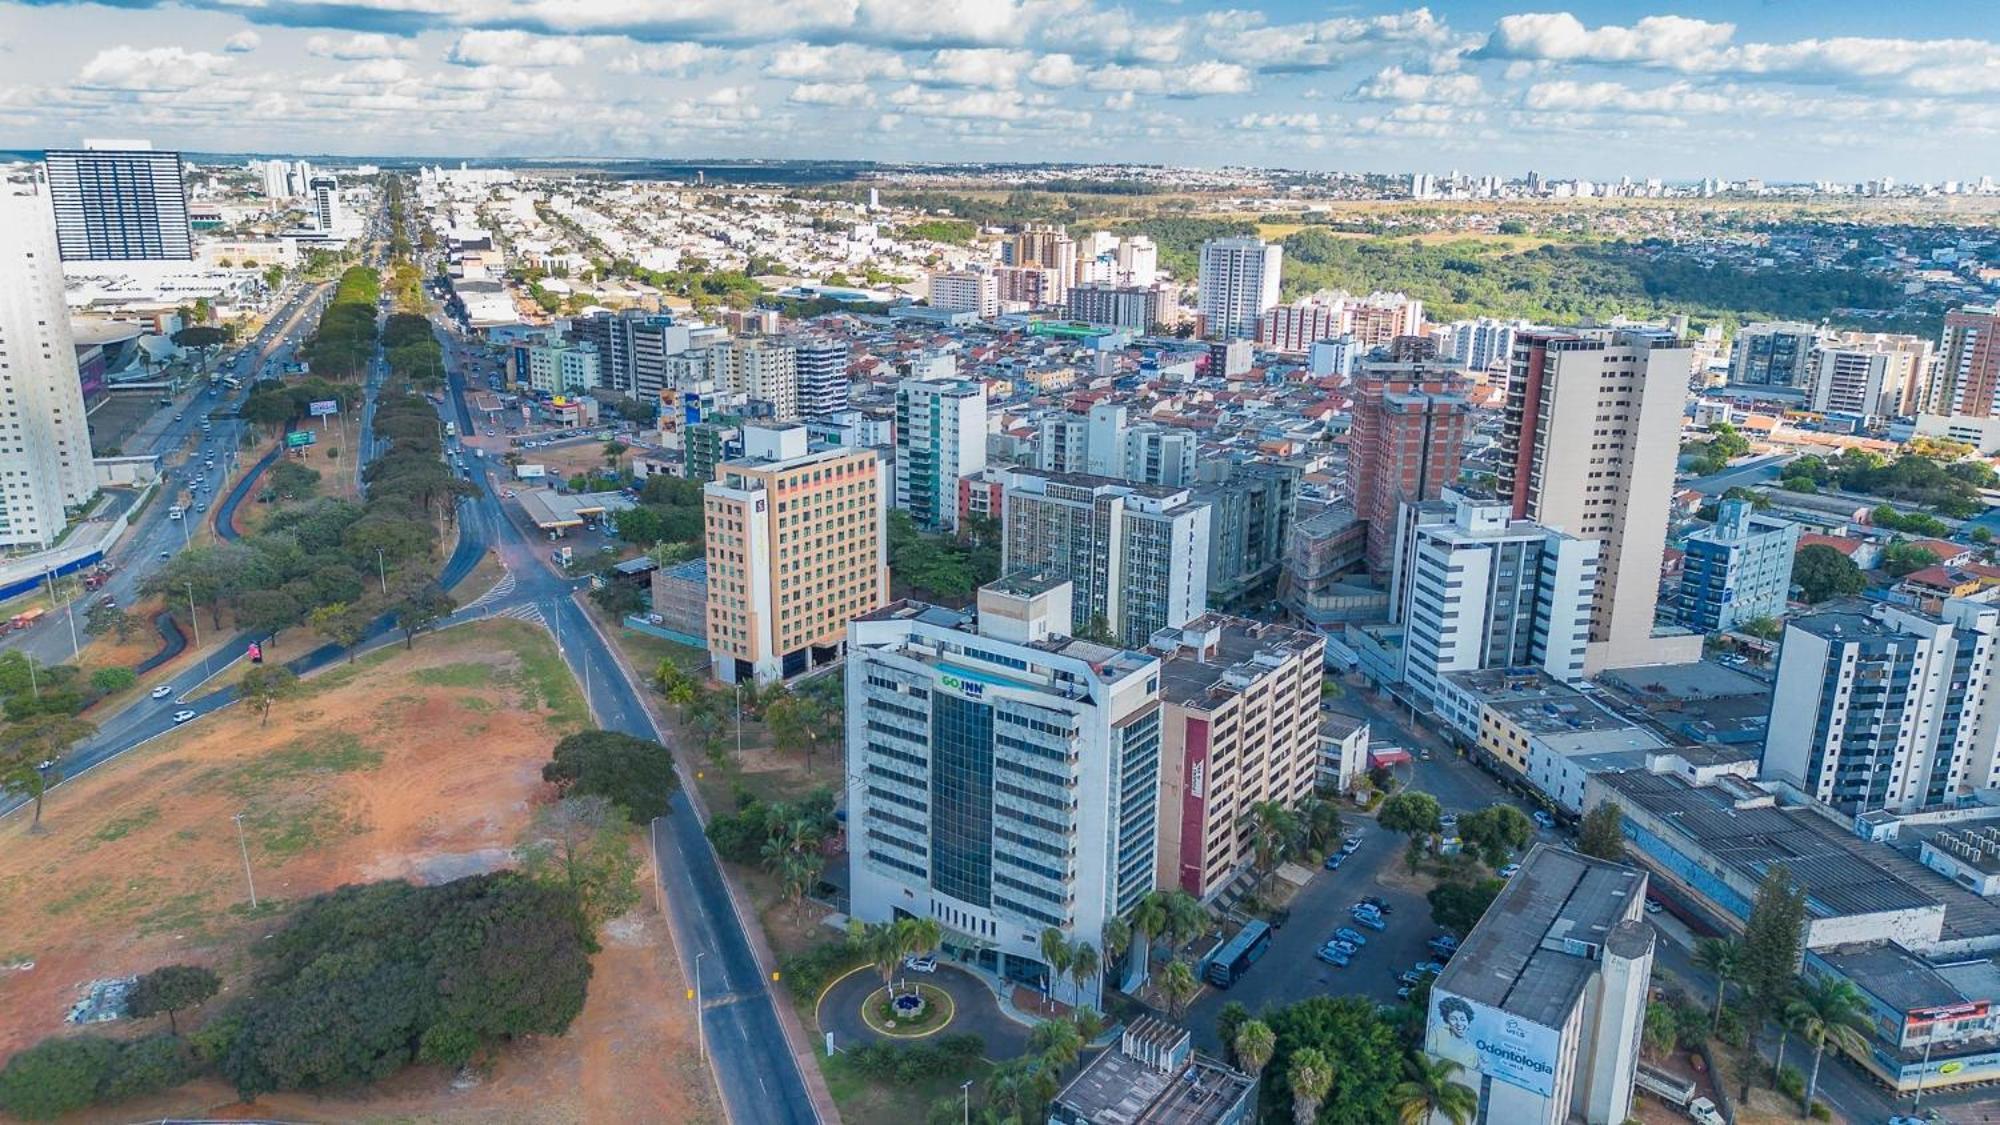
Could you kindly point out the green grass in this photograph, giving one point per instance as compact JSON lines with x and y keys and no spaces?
{"x":646,"y":651}
{"x":455,"y":675}
{"x":324,"y":753}
{"x":82,"y":894}
{"x":121,"y":827}
{"x":476,"y":703}
{"x":544,"y":681}
{"x":861,"y":1099}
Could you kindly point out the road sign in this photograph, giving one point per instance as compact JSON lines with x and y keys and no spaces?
{"x":327,"y":406}
{"x":298,"y":438}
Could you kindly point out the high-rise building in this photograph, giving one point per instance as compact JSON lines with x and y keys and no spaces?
{"x":975,"y":291}
{"x":1738,"y":570}
{"x":1238,"y":282}
{"x":1294,"y":329}
{"x":1002,"y":778}
{"x":1405,"y":444}
{"x":1048,"y":246}
{"x":1120,"y":306}
{"x":1062,"y":442}
{"x":118,"y":200}
{"x":45,"y":456}
{"x":1030,"y":287}
{"x":1239,"y":727}
{"x":1157,"y":454}
{"x":822,"y":372}
{"x":1138,"y":554}
{"x":1892,"y":710}
{"x":1250,"y":509}
{"x":765,"y":371}
{"x":1967,"y":377}
{"x":1138,"y":261}
{"x":1477,"y":589}
{"x":1484,"y":344}
{"x":325,"y":202}
{"x":1379,"y":319}
{"x":1769,"y":354}
{"x":558,"y":366}
{"x":795,"y":551}
{"x":940,"y":437}
{"x":275,"y":176}
{"x":1593,"y":419}
{"x":1863,"y":380}
{"x":1543,"y":1007}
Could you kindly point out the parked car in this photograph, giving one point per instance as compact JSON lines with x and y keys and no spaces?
{"x":1431,"y":967}
{"x":1409,"y":977}
{"x":920,"y":964}
{"x":1379,"y":903}
{"x":1653,"y":906}
{"x":1509,"y":871}
{"x":1448,"y":822}
{"x":1348,"y":933}
{"x":1351,"y":845}
{"x":1346,"y":947}
{"x":1543,"y":818}
{"x":1372,"y":921}
{"x":1333,"y":956}
{"x":1334,"y":861}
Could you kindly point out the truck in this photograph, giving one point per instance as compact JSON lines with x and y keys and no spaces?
{"x":26,"y":618}
{"x":176,"y":512}
{"x":451,"y":429}
{"x":1678,"y":1092}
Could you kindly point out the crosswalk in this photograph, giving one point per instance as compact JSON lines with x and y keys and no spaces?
{"x":528,"y":612}
{"x":500,"y":590}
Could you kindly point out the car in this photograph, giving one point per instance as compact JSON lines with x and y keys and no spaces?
{"x":920,"y":964}
{"x":1348,"y":934}
{"x":1703,"y":1112}
{"x":1444,"y":945}
{"x":1423,"y":755}
{"x":1509,"y":871}
{"x":1448,"y":822}
{"x":1372,"y":921}
{"x":200,"y":508}
{"x":1653,"y":906}
{"x":1409,"y":977}
{"x":1334,"y":861}
{"x":1351,"y":845}
{"x":183,"y":716}
{"x":1346,"y":947}
{"x":1333,"y":956}
{"x":1379,"y":903}
{"x":166,"y":554}
{"x":1431,"y":967}
{"x":1542,"y":818}
{"x":1405,"y":992}
{"x":177,"y":417}
{"x":162,"y":691}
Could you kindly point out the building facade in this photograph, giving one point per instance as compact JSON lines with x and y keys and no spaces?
{"x":822,"y":374}
{"x":1405,"y":445}
{"x":795,"y":551}
{"x":974,"y":291}
{"x":45,"y":455}
{"x":119,"y":200}
{"x":1239,"y":727}
{"x":1294,"y":329}
{"x":1003,"y":778}
{"x":1774,"y":355}
{"x":1968,"y":367}
{"x":1593,"y":420}
{"x":1738,"y":570}
{"x":1869,"y":382}
{"x":1237,"y":283}
{"x":1137,"y":554}
{"x":1121,"y":306}
{"x":940,"y":437}
{"x":1893,"y":709}
{"x":1484,"y":344}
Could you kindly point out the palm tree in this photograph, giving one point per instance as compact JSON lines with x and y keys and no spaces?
{"x":1433,"y":1090}
{"x":881,"y":944}
{"x":1178,"y":985}
{"x":1116,"y":939}
{"x":1186,"y":919}
{"x":1311,"y":1077}
{"x":1254,"y":1044}
{"x":1082,"y":967}
{"x":1149,"y":920}
{"x":1724,"y":958}
{"x":1829,"y":1012}
{"x":1272,"y":828}
{"x":919,"y":935}
{"x":1058,"y":1042}
{"x":1788,"y":1024}
{"x":1089,"y":1025}
{"x":1056,"y":954}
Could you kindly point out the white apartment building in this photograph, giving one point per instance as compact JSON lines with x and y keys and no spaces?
{"x":1484,"y":344}
{"x":1593,"y":417}
{"x":764,"y":371}
{"x":1138,"y":261}
{"x":975,"y":291}
{"x":1477,"y":589}
{"x":1893,"y":709}
{"x":940,"y":437}
{"x":1240,"y":726}
{"x":1868,"y":382}
{"x":45,"y":456}
{"x":1773,"y":354}
{"x":822,"y":375}
{"x":1238,"y":282}
{"x":1003,"y":778}
{"x":1137,"y":553}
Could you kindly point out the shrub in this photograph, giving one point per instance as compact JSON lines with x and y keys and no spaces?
{"x":1821,"y":1112}
{"x":1791,"y":1083}
{"x":810,"y":971}
{"x":58,"y":1076}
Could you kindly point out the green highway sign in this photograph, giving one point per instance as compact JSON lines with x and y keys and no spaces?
{"x":297,"y":438}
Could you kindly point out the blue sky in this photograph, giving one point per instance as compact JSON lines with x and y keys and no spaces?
{"x":1783,"y":89}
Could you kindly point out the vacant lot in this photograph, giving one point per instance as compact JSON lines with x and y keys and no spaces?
{"x":422,"y":765}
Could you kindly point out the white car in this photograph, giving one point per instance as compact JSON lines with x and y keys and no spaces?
{"x":183,"y":716}
{"x":1509,"y":871}
{"x":163,"y":691}
{"x":920,"y":964}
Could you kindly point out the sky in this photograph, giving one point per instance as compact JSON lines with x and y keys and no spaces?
{"x":1787,"y":90}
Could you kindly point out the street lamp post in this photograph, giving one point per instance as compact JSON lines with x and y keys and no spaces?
{"x":244,"y":844}
{"x":194,"y":617}
{"x":382,"y":571}
{"x":966,"y":1089}
{"x":700,"y":1032}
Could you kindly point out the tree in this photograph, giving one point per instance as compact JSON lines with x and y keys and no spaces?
{"x":1432,"y":1090}
{"x":1660,"y":1032}
{"x":1820,"y":572}
{"x":1496,"y":832}
{"x":1228,"y":1021}
{"x":1116,"y":939}
{"x":1458,"y":906}
{"x":1055,"y":954}
{"x":795,"y":723}
{"x":31,"y":755}
{"x":1899,"y":559}
{"x":57,"y":1076}
{"x":1602,"y":834}
{"x":1350,"y":1032}
{"x":1829,"y":1012}
{"x":1083,"y":966}
{"x":1724,"y":958}
{"x":110,"y":680}
{"x":1310,"y":1076}
{"x":342,"y":623}
{"x":1178,"y":985}
{"x":172,"y":989}
{"x":1273,"y":828}
{"x":1411,"y":812}
{"x":1058,"y":1042}
{"x":582,"y":844}
{"x":1253,"y":1043}
{"x":1772,"y":938}
{"x":265,"y":684}
{"x":1764,"y":628}
{"x":103,"y":618}
{"x":422,"y":610}
{"x":635,"y":774}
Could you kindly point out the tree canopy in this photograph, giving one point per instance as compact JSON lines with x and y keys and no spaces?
{"x":1821,"y":573}
{"x":1352,"y":1035}
{"x":635,"y":774}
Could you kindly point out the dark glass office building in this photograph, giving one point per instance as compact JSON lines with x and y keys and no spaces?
{"x":117,"y":201}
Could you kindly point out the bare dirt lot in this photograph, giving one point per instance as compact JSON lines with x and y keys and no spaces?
{"x":422,"y":765}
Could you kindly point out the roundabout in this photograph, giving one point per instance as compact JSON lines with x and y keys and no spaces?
{"x":855,"y":1009}
{"x":913,"y":1011}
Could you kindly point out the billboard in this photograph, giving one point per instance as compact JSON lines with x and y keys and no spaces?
{"x":1488,"y":1041}
{"x":323,"y":407}
{"x":298,"y":438}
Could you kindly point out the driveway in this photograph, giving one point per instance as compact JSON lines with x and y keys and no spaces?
{"x":976,"y":1011}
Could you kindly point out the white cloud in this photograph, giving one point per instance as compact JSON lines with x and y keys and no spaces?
{"x":1394,"y":84}
{"x":1245,"y":37}
{"x":832,"y":93}
{"x":242,"y":41}
{"x":366,"y":45}
{"x":846,"y":62}
{"x":513,"y":48}
{"x":1561,"y":36}
{"x":1056,"y":70}
{"x":981,"y":68}
{"x":670,"y":58}
{"x":150,"y":68}
{"x":1615,"y":97}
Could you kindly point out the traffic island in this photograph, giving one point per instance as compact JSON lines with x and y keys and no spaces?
{"x":910,"y":1013}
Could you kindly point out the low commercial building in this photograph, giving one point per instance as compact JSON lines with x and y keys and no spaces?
{"x":1545,"y":731}
{"x":1155,"y":1077}
{"x":1240,"y":727}
{"x":1738,"y":570}
{"x":1544,"y":1004}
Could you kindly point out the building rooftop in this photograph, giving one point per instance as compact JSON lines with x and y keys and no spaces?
{"x":1216,"y":656}
{"x":1107,"y":662}
{"x":1974,"y":846}
{"x":1524,"y":956}
{"x":1026,"y":583}
{"x":1122,"y":1089}
{"x":1893,"y":975}
{"x":1540,"y":703}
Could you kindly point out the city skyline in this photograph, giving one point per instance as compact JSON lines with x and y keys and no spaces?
{"x":1840,"y":92}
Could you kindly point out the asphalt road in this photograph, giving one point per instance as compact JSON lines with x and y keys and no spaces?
{"x":1760,"y":470}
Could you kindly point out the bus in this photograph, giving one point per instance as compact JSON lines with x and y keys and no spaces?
{"x":451,"y":429}
{"x":1236,"y":956}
